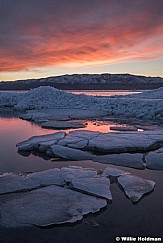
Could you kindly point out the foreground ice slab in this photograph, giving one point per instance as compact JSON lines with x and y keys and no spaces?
{"x":62,"y":124}
{"x":69,"y":153}
{"x":48,"y":206}
{"x":72,"y":172}
{"x":34,"y":142}
{"x":113,"y":172}
{"x":154,"y":160}
{"x":124,"y":159}
{"x":10,"y":182}
{"x":116,"y":148}
{"x":135,"y":187}
{"x":121,"y":142}
{"x":99,"y":186}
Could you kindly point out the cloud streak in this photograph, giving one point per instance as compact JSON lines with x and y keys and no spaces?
{"x":42,"y":33}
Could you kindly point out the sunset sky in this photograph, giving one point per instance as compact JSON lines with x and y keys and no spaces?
{"x":53,"y":37}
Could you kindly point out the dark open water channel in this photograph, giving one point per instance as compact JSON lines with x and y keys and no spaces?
{"x":121,"y":218}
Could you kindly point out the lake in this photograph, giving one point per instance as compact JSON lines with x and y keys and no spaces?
{"x":120,"y":218}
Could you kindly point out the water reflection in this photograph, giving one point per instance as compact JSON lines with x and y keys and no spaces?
{"x":103,"y":92}
{"x":14,"y":130}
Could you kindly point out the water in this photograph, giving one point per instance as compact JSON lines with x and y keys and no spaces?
{"x":93,"y":92}
{"x":121,"y":218}
{"x":14,"y":130}
{"x":104,"y":92}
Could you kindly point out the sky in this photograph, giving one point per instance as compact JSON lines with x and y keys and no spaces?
{"x":54,"y":37}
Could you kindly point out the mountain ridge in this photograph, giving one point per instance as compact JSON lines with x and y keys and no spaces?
{"x":105,"y":81}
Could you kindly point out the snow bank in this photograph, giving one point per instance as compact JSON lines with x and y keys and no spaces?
{"x":147,"y":105}
{"x":152,"y":94}
{"x":9,"y":98}
{"x":49,"y":97}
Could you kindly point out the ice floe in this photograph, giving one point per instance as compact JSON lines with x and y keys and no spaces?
{"x":99,"y":186}
{"x":48,"y":206}
{"x":123,"y":128}
{"x":121,"y":142}
{"x":70,"y":153}
{"x":123,"y":159}
{"x":154,"y":160}
{"x":33,"y":142}
{"x":63,"y":195}
{"x":62,"y":124}
{"x":113,"y":172}
{"x":124,"y":148}
{"x":10,"y":182}
{"x":72,"y":172}
{"x":135,"y":187}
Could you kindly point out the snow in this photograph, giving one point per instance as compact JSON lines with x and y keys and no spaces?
{"x":48,"y":206}
{"x":135,"y":187}
{"x":148,"y":105}
{"x":152,"y":94}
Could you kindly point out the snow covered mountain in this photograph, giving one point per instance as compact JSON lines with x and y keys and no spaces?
{"x":87,"y":81}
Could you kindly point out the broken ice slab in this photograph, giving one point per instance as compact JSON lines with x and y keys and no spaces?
{"x":121,"y":142}
{"x":70,"y":153}
{"x":123,"y":128}
{"x":113,"y":172}
{"x":135,"y":187}
{"x":123,"y":159}
{"x":154,"y":160}
{"x":33,"y":142}
{"x":99,"y":186}
{"x":62,"y":124}
{"x":10,"y":182}
{"x":48,"y":206}
{"x":72,"y":172}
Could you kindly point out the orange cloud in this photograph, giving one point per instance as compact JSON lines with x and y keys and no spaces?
{"x":92,"y":32}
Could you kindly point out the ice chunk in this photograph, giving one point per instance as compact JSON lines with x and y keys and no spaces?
{"x":124,"y":159}
{"x":70,"y":153}
{"x":121,"y":142}
{"x":85,"y":134}
{"x":123,"y":128}
{"x":48,"y":206}
{"x":12,"y":183}
{"x":62,"y":124}
{"x":154,"y":160}
{"x":33,"y":142}
{"x":73,"y":142}
{"x":135,"y":187}
{"x":113,"y":172}
{"x":72,"y":172}
{"x":99,"y":186}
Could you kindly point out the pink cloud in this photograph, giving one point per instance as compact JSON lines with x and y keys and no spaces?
{"x":94,"y":32}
